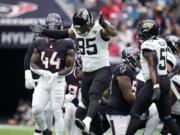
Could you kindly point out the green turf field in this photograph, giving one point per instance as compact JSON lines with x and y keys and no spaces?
{"x":16,"y":130}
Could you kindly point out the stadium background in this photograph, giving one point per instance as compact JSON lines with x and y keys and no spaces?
{"x":15,"y":36}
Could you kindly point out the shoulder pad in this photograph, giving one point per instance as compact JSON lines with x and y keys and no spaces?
{"x":176,"y":79}
{"x":148,"y":45}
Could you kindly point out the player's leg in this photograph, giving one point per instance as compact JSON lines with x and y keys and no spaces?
{"x":49,"y":115}
{"x":118,"y":123}
{"x":142,"y":103}
{"x":152,"y":121}
{"x":69,"y":118}
{"x":57,"y":99}
{"x":99,"y":83}
{"x":164,"y":110}
{"x":40,"y":100}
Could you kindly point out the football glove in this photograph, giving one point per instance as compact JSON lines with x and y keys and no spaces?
{"x":29,"y":82}
{"x":47,"y":75}
{"x":69,"y":97}
{"x":156,"y":93}
{"x":36,"y":28}
{"x":102,"y":21}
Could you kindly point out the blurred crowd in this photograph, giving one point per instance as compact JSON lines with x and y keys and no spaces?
{"x":125,"y":14}
{"x":23,"y":114}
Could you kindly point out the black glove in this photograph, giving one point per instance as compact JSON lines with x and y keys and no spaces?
{"x":156,"y":93}
{"x":102,"y":21}
{"x":36,"y":28}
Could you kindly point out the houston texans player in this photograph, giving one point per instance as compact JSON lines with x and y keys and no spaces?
{"x":121,"y":96}
{"x":31,"y":81}
{"x":92,"y":38}
{"x":52,"y":60}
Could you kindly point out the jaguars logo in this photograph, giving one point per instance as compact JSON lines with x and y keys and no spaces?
{"x":148,"y":25}
{"x":174,"y":38}
{"x":85,"y":14}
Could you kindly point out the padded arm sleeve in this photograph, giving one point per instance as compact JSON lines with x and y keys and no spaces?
{"x":56,"y":34}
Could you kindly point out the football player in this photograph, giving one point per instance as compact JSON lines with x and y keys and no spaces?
{"x":72,"y":96}
{"x":121,"y":96}
{"x":152,"y":120}
{"x":31,"y":81}
{"x":52,"y":60}
{"x":157,"y":85}
{"x":92,"y":39}
{"x":173,"y":43}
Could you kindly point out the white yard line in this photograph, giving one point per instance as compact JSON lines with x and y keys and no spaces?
{"x":6,"y":126}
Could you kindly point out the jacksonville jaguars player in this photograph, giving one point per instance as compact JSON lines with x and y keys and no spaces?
{"x":173,"y":43}
{"x":152,"y":120}
{"x":52,"y":60}
{"x":92,"y":38}
{"x":121,"y":96}
{"x":157,"y":84}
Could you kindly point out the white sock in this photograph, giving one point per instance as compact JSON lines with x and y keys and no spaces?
{"x":37,"y":133}
{"x":87,"y":122}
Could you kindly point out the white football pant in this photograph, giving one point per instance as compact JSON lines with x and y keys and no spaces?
{"x":69,"y":119}
{"x":153,"y":120}
{"x":118,"y":123}
{"x":44,"y":93}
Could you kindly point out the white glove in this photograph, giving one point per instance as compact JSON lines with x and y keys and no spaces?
{"x":47,"y":75}
{"x":29,"y":82}
{"x":69,"y":97}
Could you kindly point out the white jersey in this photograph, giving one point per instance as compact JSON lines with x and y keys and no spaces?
{"x":175,"y":109}
{"x":160,"y":47}
{"x":171,"y":59}
{"x":94,"y":49}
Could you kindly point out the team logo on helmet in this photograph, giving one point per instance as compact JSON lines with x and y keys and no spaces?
{"x":85,"y":14}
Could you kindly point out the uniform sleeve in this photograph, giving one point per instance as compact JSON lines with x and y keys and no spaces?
{"x":70,"y":44}
{"x":148,"y":45}
{"x":28,"y":55}
{"x":171,"y":59}
{"x":122,"y":70}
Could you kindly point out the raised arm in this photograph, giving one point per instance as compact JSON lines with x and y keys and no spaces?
{"x":108,"y":30}
{"x":55,"y":34}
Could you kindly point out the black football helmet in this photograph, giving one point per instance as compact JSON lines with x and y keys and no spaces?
{"x":78,"y":60}
{"x":131,"y":56}
{"x":54,"y":22}
{"x":147,"y":29}
{"x":82,"y":21}
{"x":173,"y":43}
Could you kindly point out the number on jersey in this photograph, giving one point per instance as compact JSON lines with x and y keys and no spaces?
{"x":162,"y":65}
{"x":87,"y":46}
{"x":50,"y":61}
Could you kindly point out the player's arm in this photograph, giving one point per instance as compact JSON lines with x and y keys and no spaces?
{"x":35,"y":59}
{"x":69,"y":62}
{"x":152,"y":60}
{"x":29,"y":83}
{"x":55,"y":34}
{"x":124,"y":83}
{"x":108,"y":30}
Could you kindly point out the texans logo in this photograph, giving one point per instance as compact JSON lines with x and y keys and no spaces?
{"x":9,"y":10}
